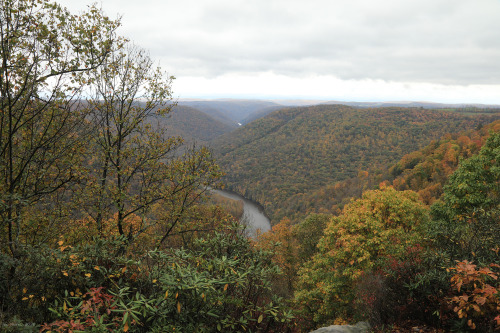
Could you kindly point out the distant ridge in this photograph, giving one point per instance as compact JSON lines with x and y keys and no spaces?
{"x":425,"y":105}
{"x":250,"y":104}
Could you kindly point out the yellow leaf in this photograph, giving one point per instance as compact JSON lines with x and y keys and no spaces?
{"x":260,"y":319}
{"x":124,"y":269}
{"x":154,"y":281}
{"x":125,"y":327}
{"x":178,"y":307}
{"x":25,"y":298}
{"x":166,"y":294}
{"x":176,"y":295}
{"x":60,"y":242}
{"x":96,"y":268}
{"x":225,"y":287}
{"x":25,"y":290}
{"x":65,"y":273}
{"x":88,"y":275}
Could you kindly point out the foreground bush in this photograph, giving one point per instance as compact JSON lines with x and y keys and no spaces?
{"x":220,"y":284}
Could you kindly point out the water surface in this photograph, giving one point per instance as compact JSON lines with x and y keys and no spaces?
{"x":253,"y":217}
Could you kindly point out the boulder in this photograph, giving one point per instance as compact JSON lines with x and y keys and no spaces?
{"x":361,"y":327}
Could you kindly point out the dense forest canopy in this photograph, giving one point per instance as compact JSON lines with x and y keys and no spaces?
{"x":294,"y":151}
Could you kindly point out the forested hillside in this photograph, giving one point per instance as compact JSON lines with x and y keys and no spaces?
{"x":424,"y":171}
{"x":294,"y":151}
{"x":194,"y":125}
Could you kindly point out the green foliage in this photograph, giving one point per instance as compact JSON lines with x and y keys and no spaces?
{"x":292,"y":246}
{"x":133,"y":164}
{"x":424,"y":171}
{"x":308,"y":233}
{"x":466,"y":221}
{"x":382,"y":225}
{"x":221,"y":284}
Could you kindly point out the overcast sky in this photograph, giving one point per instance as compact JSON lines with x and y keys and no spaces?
{"x":349,"y":50}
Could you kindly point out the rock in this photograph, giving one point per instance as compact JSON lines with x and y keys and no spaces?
{"x":361,"y":327}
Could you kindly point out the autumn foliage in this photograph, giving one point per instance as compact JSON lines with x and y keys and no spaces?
{"x":381,"y":226}
{"x":105,"y":226}
{"x":478,"y":295}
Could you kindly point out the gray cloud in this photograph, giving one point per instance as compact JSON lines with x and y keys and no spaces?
{"x":436,"y":41}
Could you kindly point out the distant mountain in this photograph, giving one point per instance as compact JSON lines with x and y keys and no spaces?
{"x":229,"y":111}
{"x":261,"y":113}
{"x":194,"y":125}
{"x":293,"y":151}
{"x":425,"y":105}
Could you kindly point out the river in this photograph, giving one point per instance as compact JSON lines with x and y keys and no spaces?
{"x":253,"y":214}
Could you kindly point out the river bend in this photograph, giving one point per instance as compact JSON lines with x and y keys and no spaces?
{"x":253,"y":214}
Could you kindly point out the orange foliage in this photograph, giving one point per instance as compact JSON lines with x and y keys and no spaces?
{"x":282,"y":242}
{"x":425,"y":171}
{"x":479,"y":300}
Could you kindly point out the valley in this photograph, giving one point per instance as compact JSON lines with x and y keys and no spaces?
{"x":292,"y":152}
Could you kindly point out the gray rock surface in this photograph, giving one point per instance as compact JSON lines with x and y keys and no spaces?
{"x":361,"y":327}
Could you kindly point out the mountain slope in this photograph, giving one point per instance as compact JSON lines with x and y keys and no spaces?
{"x":297,"y":150}
{"x":194,"y":125}
{"x":424,"y":171}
